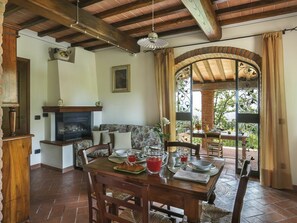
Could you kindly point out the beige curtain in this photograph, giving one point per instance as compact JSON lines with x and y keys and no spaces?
{"x":165,"y":82}
{"x":275,"y":162}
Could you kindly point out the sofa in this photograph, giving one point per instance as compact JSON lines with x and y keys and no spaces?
{"x":140,"y":136}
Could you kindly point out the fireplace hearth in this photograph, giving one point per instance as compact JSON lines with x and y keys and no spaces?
{"x":72,"y":125}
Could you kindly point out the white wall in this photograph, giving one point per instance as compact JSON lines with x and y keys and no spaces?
{"x":139,"y":106}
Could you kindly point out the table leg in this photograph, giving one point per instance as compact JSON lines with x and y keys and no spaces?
{"x":193,"y":210}
{"x":212,"y":198}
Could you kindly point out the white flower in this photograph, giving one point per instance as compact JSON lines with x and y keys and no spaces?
{"x":165,"y":121}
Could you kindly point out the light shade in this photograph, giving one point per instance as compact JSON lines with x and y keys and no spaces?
{"x":152,"y":42}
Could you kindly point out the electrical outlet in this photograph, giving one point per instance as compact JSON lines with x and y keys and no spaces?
{"x":37,"y":117}
{"x":37,"y":151}
{"x":45,"y":115}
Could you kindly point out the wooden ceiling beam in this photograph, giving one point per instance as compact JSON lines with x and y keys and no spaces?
{"x":126,"y":8}
{"x":86,"y":3}
{"x":53,"y":30}
{"x":249,"y":6}
{"x":178,"y":31}
{"x":32,"y":22}
{"x":79,"y":43}
{"x":226,"y":85}
{"x":64,"y":13}
{"x":221,"y":69}
{"x":260,"y":15}
{"x":198,"y":73}
{"x":10,"y":9}
{"x":68,"y":37}
{"x":206,"y":18}
{"x":159,"y":25}
{"x":99,"y":46}
{"x":145,"y":17}
{"x":208,"y":70}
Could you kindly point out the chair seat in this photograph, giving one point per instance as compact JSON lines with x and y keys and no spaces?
{"x":136,"y":218}
{"x":211,"y":213}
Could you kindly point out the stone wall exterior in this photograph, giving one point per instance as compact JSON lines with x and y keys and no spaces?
{"x":207,"y":108}
{"x":2,"y":9}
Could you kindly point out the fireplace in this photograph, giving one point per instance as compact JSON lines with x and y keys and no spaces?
{"x":72,"y":125}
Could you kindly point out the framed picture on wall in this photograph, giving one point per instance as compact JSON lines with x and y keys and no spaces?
{"x":121,"y":78}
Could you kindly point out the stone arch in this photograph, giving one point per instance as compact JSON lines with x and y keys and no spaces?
{"x":218,"y":52}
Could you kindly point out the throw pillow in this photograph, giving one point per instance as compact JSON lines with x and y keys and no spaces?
{"x":108,"y":137}
{"x":122,"y":140}
{"x":97,"y":136}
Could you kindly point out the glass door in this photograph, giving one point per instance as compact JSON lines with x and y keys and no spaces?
{"x":183,"y":99}
{"x":247,"y":116}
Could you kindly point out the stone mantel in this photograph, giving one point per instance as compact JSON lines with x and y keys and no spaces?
{"x":71,"y":108}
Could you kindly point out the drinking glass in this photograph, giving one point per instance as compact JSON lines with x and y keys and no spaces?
{"x":154,"y":162}
{"x":184,"y":154}
{"x":131,"y":156}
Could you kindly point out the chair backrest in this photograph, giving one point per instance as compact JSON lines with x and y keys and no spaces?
{"x":137,"y":209}
{"x":83,"y":153}
{"x":191,"y":146}
{"x":242,"y":186}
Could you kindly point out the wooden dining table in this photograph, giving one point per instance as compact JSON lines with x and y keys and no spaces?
{"x":165,"y":189}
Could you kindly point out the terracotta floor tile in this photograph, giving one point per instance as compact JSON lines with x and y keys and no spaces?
{"x":62,"y":198}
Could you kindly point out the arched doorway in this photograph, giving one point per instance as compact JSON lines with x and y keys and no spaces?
{"x":221,"y":75}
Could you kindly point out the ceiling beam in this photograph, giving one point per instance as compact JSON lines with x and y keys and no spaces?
{"x":197,"y":72}
{"x":205,"y":16}
{"x":86,"y":3}
{"x":221,"y":69}
{"x":208,"y":70}
{"x":145,"y":17}
{"x":157,"y":26}
{"x":32,"y":22}
{"x":53,"y":30}
{"x":126,"y":8}
{"x":10,"y":9}
{"x":224,"y":85}
{"x":249,"y":6}
{"x":260,"y":15}
{"x":64,"y":13}
{"x":79,"y":43}
{"x":99,"y":46}
{"x":68,"y":37}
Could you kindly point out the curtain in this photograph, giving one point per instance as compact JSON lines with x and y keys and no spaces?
{"x":165,"y":82}
{"x":275,"y":170}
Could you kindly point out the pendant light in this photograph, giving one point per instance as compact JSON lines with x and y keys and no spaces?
{"x":152,"y":41}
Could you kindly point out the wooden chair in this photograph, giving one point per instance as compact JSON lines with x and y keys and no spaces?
{"x":214,"y":145}
{"x":195,"y":149}
{"x":87,"y":155}
{"x":210,"y":213}
{"x":132,"y":212}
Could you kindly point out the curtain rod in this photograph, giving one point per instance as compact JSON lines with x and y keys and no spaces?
{"x":234,"y":38}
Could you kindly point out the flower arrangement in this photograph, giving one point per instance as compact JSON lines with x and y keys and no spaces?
{"x":159,"y":129}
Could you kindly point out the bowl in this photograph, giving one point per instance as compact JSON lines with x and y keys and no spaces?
{"x":201,"y":165}
{"x":121,"y":152}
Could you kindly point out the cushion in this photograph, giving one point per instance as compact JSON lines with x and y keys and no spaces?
{"x":136,"y":217}
{"x":97,"y":136}
{"x":211,"y":213}
{"x":107,"y":137}
{"x":122,"y":140}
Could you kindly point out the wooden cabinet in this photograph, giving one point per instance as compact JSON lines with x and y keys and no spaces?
{"x":9,"y":77}
{"x":16,"y":178}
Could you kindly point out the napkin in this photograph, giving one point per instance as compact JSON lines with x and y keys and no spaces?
{"x":191,"y":176}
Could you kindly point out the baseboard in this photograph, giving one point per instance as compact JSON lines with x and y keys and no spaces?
{"x":36,"y":166}
{"x":65,"y":170}
{"x":294,"y":187}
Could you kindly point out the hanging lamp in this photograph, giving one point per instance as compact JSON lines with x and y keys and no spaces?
{"x":152,"y":41}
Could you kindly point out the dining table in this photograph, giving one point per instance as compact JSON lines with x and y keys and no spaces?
{"x":163,"y":187}
{"x":227,"y":136}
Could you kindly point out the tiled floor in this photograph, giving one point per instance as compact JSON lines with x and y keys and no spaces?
{"x":62,"y":198}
